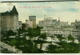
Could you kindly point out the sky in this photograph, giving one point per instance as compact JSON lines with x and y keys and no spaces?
{"x":66,"y":11}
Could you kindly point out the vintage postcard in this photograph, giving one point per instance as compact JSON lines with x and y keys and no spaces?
{"x":40,"y":27}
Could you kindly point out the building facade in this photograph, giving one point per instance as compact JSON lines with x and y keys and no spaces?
{"x":20,"y":24}
{"x":33,"y":21}
{"x":76,"y":26}
{"x":28,"y":24}
{"x":9,"y":20}
{"x":57,"y":27}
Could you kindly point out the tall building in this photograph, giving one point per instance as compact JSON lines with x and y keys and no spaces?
{"x":9,"y":20}
{"x":33,"y":21}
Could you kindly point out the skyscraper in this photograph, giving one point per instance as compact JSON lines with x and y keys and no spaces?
{"x":33,"y":20}
{"x":9,"y":20}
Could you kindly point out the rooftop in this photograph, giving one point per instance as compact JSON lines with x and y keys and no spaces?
{"x":11,"y":12}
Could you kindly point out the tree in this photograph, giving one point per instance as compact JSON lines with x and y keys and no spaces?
{"x":68,"y":47}
{"x":60,"y":37}
{"x":34,"y":32}
{"x":70,"y":37}
{"x":10,"y":33}
{"x":7,"y":34}
{"x":52,"y":48}
{"x":13,"y":42}
{"x":43,"y":37}
{"x":38,"y":30}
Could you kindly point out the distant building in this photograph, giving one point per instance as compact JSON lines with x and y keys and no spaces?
{"x":23,"y":26}
{"x":20,"y":24}
{"x":9,"y":20}
{"x":28,"y":24}
{"x":0,"y":25}
{"x":77,"y":24}
{"x":64,"y":24}
{"x":33,"y":21}
{"x":56,"y":27}
{"x":47,"y":23}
